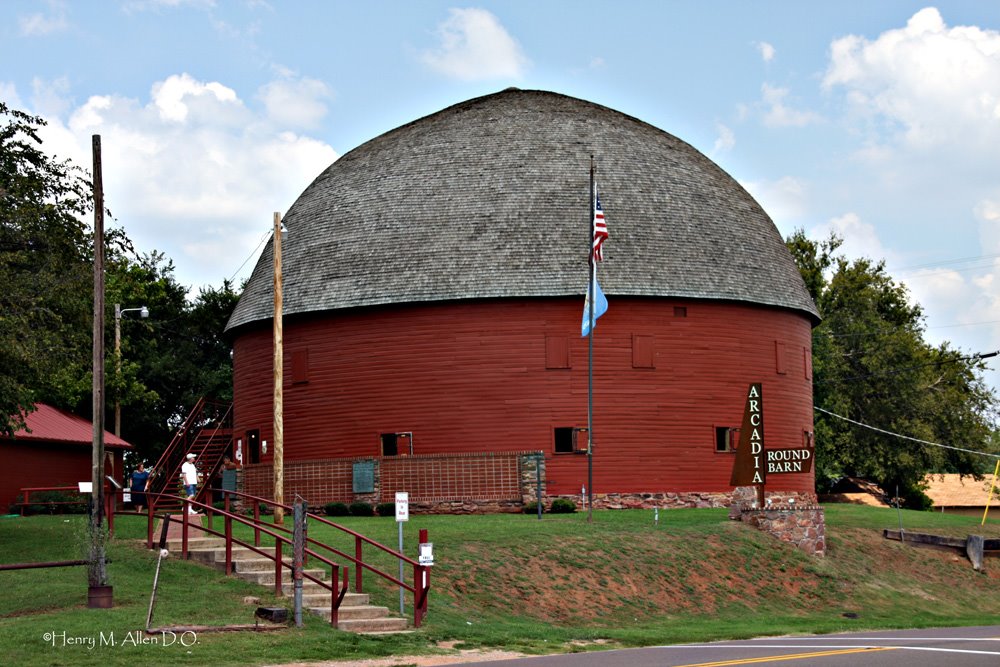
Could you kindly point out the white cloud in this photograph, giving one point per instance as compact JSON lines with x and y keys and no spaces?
{"x":925,"y":86}
{"x":193,"y":171}
{"x":473,"y":45}
{"x":725,"y":139}
{"x":778,"y":114}
{"x":296,"y":103}
{"x":784,"y":200}
{"x":860,"y":238}
{"x":767,"y":51}
{"x":9,"y":96}
{"x":40,"y":24}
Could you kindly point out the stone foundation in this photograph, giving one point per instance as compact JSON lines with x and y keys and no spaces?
{"x":803,"y":526}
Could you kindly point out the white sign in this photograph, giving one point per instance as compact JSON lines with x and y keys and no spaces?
{"x":426,"y":553}
{"x":85,"y":487}
{"x":402,"y":506}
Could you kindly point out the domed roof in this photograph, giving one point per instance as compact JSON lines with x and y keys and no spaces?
{"x":490,"y":199}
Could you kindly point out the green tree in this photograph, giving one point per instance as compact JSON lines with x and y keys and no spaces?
{"x":171,"y":359}
{"x":45,"y":259}
{"x":872,"y":365}
{"x":167,"y":362}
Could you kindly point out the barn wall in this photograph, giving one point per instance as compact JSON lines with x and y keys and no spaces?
{"x":502,"y":375}
{"x":27,"y":464}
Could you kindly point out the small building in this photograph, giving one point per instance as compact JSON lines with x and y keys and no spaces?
{"x":54,"y":449}
{"x":956,"y":494}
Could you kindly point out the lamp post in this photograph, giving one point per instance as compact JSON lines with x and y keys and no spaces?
{"x":119,"y":311}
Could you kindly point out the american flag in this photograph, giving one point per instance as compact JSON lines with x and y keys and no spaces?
{"x":600,"y":229}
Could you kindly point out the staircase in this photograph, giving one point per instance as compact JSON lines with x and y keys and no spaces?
{"x":206,"y":433}
{"x":355,"y":613}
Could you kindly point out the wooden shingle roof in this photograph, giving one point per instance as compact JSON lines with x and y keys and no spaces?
{"x":489,"y":199}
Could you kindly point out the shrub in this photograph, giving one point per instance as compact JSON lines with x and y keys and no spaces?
{"x":562,"y":506}
{"x":531,"y":508}
{"x":336,"y":509}
{"x":54,"y":502}
{"x":386,"y":509}
{"x":359,"y":508}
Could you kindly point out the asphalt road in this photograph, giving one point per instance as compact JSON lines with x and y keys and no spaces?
{"x":953,"y":647}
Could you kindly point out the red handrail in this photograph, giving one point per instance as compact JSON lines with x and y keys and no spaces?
{"x":421,"y":573}
{"x":337,"y":595}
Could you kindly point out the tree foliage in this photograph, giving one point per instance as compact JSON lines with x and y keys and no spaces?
{"x":872,"y":365}
{"x":167,"y":361}
{"x":44,"y":259}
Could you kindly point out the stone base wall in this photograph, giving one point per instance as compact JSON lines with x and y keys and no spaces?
{"x":681,"y":500}
{"x":803,"y":526}
{"x":488,"y":483}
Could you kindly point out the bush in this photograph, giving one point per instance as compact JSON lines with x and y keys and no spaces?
{"x":362,"y":509}
{"x":52,"y":502}
{"x":336,"y":509}
{"x":562,"y":506}
{"x":386,"y":509}
{"x":531,"y":508}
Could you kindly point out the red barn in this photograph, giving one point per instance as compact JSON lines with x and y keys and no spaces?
{"x":55,"y":449}
{"x":433,"y":298}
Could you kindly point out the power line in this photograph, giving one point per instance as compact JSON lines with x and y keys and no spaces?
{"x":906,"y":437}
{"x":253,"y":252}
{"x":897,"y":371}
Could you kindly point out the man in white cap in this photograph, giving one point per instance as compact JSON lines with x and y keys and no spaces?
{"x":189,"y":475}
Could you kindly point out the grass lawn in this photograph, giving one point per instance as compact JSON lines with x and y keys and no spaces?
{"x":510,"y":581}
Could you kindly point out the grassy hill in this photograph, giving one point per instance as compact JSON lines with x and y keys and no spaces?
{"x":512,"y":581}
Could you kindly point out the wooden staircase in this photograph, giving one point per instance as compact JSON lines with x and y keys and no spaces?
{"x":356,"y":614}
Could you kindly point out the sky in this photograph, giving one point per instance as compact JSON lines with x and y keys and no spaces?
{"x":877,"y":121}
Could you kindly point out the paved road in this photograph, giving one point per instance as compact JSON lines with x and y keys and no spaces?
{"x":954,"y":647}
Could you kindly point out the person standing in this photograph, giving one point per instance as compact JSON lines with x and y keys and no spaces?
{"x":140,"y":476}
{"x":189,"y":476}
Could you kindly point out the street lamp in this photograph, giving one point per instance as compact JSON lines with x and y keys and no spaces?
{"x":119,"y":311}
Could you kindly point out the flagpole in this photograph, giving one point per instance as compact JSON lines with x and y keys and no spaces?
{"x":590,"y":357}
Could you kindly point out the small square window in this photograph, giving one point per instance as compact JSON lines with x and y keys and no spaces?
{"x":567,"y":439}
{"x":680,"y":311}
{"x":556,"y":352}
{"x":726,"y":438}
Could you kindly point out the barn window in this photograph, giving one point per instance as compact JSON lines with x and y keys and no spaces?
{"x":396,"y":444}
{"x":556,"y":352}
{"x":680,"y":311}
{"x":779,"y":357}
{"x":726,"y":438}
{"x":568,"y":440}
{"x":642,"y":351}
{"x":807,"y":363}
{"x":253,"y":445}
{"x":300,"y":366}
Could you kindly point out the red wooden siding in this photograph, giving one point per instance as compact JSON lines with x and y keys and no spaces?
{"x":477,"y":376}
{"x":36,"y":464}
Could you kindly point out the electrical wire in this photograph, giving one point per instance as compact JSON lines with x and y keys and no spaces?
{"x":905,"y":437}
{"x":253,"y":252}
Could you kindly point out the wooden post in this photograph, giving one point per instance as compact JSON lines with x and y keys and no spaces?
{"x":279,"y":444}
{"x":97,"y":570}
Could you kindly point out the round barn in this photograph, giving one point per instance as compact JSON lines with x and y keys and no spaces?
{"x":433,"y":294}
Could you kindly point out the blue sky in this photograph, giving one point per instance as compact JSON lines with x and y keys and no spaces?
{"x":877,"y":120}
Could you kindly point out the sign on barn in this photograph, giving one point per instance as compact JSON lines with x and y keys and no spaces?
{"x":754,"y":461}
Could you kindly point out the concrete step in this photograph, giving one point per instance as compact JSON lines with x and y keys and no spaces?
{"x":266,"y":578}
{"x":362,"y":625}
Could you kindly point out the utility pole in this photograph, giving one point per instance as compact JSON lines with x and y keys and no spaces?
{"x":97,"y":574}
{"x":279,"y":436}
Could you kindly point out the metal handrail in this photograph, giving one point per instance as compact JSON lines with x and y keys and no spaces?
{"x":337,"y":595}
{"x":421,"y":573}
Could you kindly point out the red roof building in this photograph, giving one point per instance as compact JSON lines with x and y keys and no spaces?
{"x":54,"y":449}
